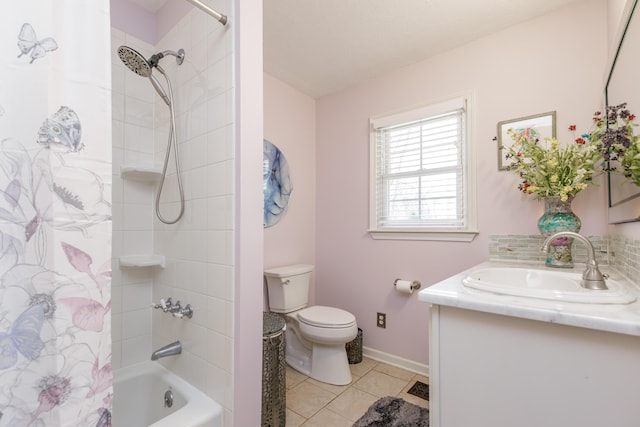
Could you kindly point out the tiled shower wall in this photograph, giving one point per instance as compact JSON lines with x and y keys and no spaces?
{"x":133,"y":123}
{"x":617,"y":251}
{"x":199,"y":248}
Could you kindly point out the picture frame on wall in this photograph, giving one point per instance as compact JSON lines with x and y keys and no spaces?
{"x":543,"y":123}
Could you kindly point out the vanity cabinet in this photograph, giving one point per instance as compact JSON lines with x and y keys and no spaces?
{"x":497,"y":370}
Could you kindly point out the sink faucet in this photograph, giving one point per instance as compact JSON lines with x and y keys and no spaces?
{"x":592,"y":278}
{"x":168,"y":350}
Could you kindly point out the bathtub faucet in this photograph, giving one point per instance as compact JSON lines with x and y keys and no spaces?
{"x":168,"y":350}
{"x":592,"y":278}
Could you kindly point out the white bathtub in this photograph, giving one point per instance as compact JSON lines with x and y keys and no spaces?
{"x":138,"y":401}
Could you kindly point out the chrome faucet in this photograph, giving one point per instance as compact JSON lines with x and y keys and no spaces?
{"x":168,"y":350}
{"x":592,"y":278}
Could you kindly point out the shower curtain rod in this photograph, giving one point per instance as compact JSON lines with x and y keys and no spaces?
{"x":220,"y":17}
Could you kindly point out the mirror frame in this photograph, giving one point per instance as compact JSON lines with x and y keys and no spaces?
{"x":544,"y":123}
{"x":627,"y":209}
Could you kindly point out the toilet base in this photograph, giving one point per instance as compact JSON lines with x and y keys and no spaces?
{"x":328,"y":364}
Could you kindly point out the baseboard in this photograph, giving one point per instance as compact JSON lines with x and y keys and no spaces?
{"x":400,"y":362}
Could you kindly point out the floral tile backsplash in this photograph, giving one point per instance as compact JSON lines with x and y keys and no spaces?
{"x":618,"y":251}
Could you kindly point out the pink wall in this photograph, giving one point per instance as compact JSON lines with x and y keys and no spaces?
{"x":246,"y":22}
{"x":290,"y":124}
{"x":145,"y":25}
{"x":555,"y":62}
{"x":134,"y":20}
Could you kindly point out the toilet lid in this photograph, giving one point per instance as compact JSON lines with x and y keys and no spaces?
{"x":327,"y":317}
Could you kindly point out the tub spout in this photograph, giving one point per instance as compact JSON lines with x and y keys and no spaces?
{"x":168,"y":350}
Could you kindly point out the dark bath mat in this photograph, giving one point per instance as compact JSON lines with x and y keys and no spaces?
{"x":394,"y":412}
{"x":420,"y":389}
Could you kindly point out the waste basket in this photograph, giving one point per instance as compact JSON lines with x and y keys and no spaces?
{"x":273,"y":371}
{"x":354,"y":349}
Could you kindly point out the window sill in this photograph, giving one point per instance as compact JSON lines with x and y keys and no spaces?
{"x":435,"y":235}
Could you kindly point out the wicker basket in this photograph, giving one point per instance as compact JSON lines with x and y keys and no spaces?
{"x":273,"y":371}
{"x":354,"y":349}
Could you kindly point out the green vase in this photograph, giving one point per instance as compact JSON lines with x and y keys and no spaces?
{"x":558,"y":216}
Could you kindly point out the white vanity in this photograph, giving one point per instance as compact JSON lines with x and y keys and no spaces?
{"x":499,"y":360}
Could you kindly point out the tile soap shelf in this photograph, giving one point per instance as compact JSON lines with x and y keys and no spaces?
{"x":143,"y":261}
{"x":140,"y":173}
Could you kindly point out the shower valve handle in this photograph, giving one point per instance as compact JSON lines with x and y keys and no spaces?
{"x":164,"y":305}
{"x":175,"y":308}
{"x":187,"y":311}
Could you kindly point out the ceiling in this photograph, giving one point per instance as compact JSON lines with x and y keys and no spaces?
{"x":323,"y":46}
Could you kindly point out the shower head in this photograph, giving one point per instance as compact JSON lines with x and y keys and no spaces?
{"x":134,"y":61}
{"x":141,"y":66}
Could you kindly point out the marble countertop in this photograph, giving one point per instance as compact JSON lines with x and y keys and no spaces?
{"x":619,"y":318}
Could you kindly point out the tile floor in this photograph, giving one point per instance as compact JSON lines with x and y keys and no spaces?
{"x":311,"y":403}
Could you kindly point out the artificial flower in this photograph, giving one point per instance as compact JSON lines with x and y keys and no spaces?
{"x":548,"y":168}
{"x":614,"y":136}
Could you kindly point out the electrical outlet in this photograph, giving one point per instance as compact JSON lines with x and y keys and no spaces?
{"x":381,"y":321}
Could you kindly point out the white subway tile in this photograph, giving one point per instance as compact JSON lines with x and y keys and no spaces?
{"x":137,"y":243}
{"x":138,"y":217}
{"x":136,"y":350}
{"x":138,"y":138}
{"x":136,"y":297}
{"x":116,"y":327}
{"x":136,"y":323}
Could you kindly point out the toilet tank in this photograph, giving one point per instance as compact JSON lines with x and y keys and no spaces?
{"x":288,"y":287}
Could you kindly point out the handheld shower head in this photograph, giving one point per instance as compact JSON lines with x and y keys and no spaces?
{"x":156,"y":85}
{"x":143,"y":67}
{"x":134,"y":61}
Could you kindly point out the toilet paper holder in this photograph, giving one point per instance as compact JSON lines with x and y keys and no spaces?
{"x":415,"y":285}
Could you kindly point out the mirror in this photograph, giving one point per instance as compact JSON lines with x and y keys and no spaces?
{"x":624,"y":198}
{"x":544,"y":124}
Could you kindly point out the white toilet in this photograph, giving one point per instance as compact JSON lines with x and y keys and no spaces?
{"x":316,"y":335}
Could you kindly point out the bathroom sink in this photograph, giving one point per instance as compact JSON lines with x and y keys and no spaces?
{"x":561,"y":286}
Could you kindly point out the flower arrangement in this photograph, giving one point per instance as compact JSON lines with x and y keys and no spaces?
{"x":615,"y":139}
{"x":548,"y":168}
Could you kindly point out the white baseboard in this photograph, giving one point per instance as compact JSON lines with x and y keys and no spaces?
{"x":400,"y":362}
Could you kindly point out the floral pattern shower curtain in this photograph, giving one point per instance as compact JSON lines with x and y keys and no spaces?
{"x":55,"y":213}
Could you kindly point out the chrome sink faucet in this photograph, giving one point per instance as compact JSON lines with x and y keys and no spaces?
{"x":592,"y":278}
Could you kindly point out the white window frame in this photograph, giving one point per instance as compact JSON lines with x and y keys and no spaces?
{"x":468,"y":231}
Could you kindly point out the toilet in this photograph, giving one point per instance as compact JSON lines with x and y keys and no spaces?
{"x":315,"y":336}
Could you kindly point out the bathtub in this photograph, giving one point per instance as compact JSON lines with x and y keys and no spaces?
{"x":139,"y":399}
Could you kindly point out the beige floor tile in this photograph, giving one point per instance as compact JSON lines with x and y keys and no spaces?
{"x":394,"y":371}
{"x":335,"y":389}
{"x":306,"y":399}
{"x":293,"y":377}
{"x":352,"y":403}
{"x":325,"y":418}
{"x":293,"y":419}
{"x":381,"y":384}
{"x":312,"y":403}
{"x":360,"y":369}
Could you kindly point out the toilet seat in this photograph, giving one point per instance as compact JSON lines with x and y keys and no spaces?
{"x":326,"y":317}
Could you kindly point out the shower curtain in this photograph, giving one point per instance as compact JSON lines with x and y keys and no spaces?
{"x":55,"y":213}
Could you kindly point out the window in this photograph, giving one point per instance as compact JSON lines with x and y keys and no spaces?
{"x":421,"y":166}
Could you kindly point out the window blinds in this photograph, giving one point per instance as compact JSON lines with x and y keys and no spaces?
{"x":419,"y":170}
